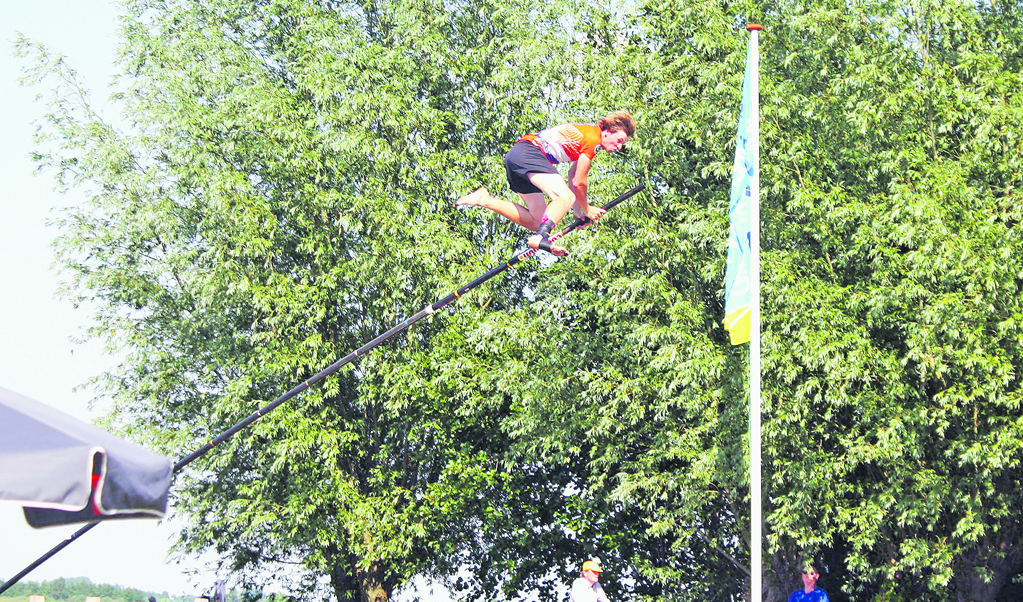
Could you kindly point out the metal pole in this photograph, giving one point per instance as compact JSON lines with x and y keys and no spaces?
{"x":756,"y":483}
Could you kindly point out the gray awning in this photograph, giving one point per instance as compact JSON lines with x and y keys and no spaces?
{"x":63,"y":470}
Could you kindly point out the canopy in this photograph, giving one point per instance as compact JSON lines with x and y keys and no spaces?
{"x":63,"y":470}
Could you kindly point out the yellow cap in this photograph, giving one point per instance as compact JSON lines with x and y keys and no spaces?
{"x":592,"y":565}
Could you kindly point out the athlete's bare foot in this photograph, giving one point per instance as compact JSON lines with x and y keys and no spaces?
{"x":534,"y":243}
{"x":473,"y":199}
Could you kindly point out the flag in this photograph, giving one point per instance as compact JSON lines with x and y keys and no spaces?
{"x":742,"y":207}
{"x":742,"y":282}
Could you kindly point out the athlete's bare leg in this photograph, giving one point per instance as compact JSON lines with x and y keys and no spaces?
{"x":528,"y":214}
{"x":561,"y":199}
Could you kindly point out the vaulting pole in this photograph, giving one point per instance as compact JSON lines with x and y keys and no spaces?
{"x":331,"y":369}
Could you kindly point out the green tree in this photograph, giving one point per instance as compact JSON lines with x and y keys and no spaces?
{"x":277,"y":197}
{"x":627,"y":384}
{"x":894,"y":388}
{"x":891,"y":301}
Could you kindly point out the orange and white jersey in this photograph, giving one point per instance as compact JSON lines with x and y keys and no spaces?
{"x":566,"y":142}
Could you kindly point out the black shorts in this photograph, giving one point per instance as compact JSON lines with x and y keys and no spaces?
{"x":523,"y":159}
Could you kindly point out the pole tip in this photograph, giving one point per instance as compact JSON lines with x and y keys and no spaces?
{"x":754,"y":27}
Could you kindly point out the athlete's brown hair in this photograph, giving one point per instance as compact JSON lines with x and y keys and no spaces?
{"x":618,"y":121}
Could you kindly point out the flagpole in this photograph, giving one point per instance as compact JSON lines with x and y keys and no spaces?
{"x":756,"y":496}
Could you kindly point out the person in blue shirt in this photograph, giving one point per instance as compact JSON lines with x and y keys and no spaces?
{"x":810,"y":591}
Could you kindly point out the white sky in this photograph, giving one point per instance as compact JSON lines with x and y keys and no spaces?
{"x":37,"y":358}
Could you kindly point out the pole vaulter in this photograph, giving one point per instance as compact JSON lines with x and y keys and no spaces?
{"x":331,"y":369}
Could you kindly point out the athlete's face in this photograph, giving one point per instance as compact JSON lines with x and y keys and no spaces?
{"x":612,"y":141}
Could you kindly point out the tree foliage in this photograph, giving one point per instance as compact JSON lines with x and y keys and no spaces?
{"x":275,"y":201}
{"x":279,"y":194}
{"x":77,"y":589}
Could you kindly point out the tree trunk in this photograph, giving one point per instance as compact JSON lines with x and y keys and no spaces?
{"x":360,"y":585}
{"x":372,"y":586}
{"x":783,"y":578}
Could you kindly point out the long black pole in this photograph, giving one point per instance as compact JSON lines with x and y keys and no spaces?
{"x":331,"y":369}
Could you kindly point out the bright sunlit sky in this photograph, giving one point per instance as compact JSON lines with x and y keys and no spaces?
{"x":37,"y":358}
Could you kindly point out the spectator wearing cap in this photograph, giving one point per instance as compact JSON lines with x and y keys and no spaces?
{"x":587,"y":587}
{"x":810,"y":591}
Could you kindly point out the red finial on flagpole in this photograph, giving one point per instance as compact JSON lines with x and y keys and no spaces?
{"x":754,"y":27}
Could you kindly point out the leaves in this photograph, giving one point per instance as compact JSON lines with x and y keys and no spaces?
{"x":279,"y":193}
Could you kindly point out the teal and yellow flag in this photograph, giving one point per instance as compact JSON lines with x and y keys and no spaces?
{"x":745,"y":194}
